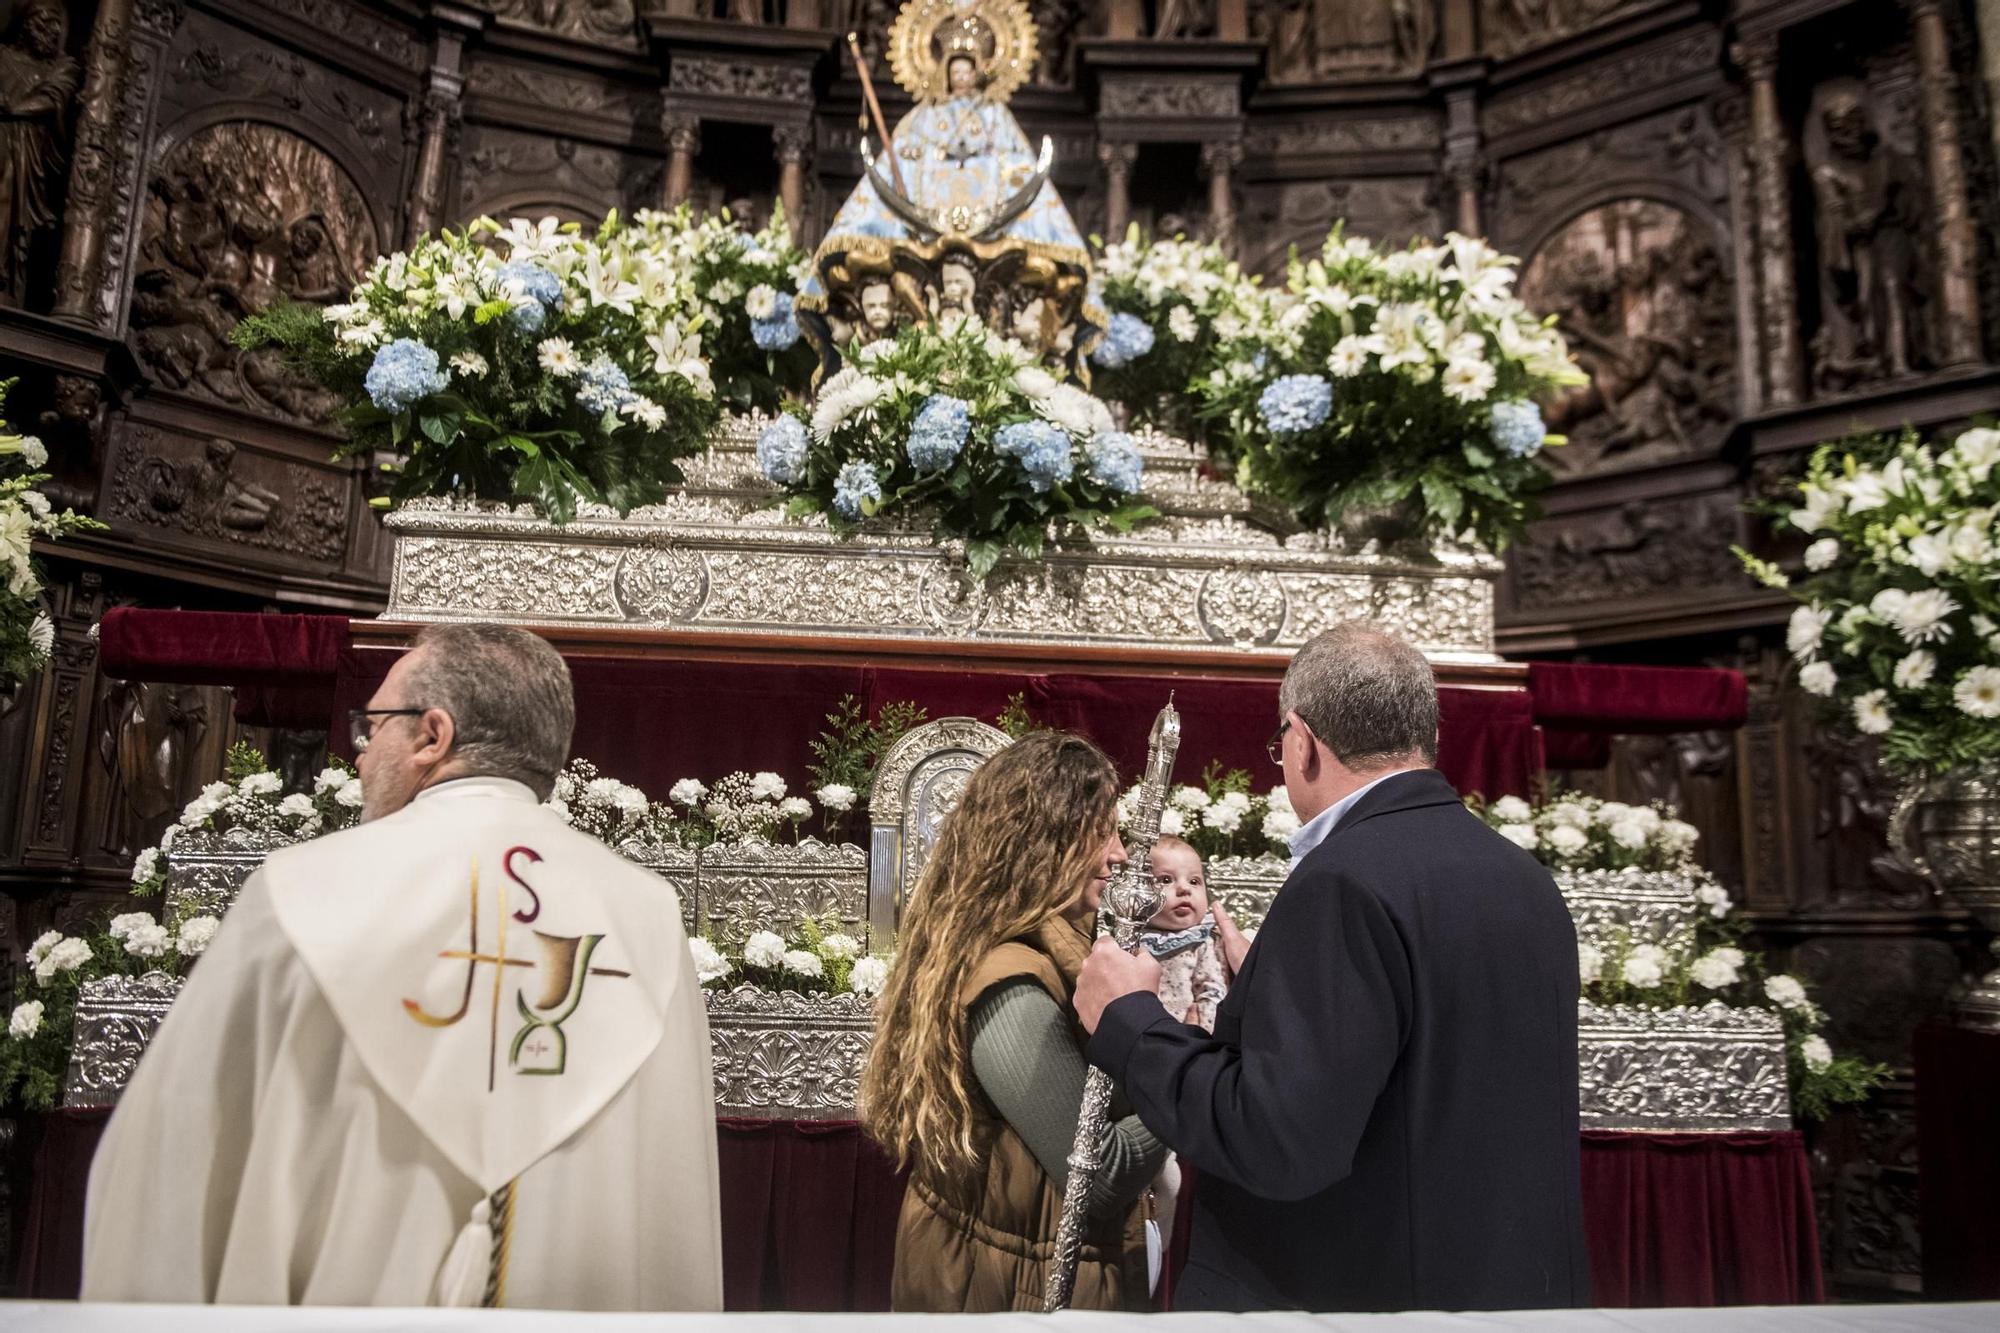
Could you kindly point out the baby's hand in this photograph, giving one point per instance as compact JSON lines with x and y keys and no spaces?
{"x":1234,"y":944}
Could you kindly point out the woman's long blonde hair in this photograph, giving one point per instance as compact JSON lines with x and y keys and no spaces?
{"x":1017,"y":851}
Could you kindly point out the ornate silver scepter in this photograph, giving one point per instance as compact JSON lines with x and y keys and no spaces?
{"x":1130,"y":900}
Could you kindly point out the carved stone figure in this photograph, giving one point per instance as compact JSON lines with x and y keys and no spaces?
{"x":146,"y":739}
{"x":1176,"y":19}
{"x":38,"y":84}
{"x":1369,"y":36}
{"x":1639,"y":291}
{"x":600,"y":19}
{"x":238,"y":216}
{"x":1056,"y":25}
{"x":1869,"y":219}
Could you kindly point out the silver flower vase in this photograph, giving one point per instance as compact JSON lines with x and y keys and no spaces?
{"x":1948,"y":827}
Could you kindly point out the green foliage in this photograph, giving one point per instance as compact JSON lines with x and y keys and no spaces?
{"x":1015,"y":719}
{"x":243,"y":760}
{"x":847,"y":753}
{"x":1845,"y":1082}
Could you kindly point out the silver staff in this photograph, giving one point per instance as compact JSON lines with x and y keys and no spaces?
{"x":1130,"y":900}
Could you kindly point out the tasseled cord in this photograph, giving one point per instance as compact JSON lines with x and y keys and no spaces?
{"x":474,"y":1272}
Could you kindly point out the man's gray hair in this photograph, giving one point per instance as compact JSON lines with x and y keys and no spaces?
{"x":1367,"y":695}
{"x":509,"y":696}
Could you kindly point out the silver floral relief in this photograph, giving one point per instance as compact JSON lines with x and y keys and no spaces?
{"x":747,"y":887}
{"x":1678,"y":1070}
{"x":1247,"y":886}
{"x":935,"y":793}
{"x":116,"y":1018}
{"x":205,"y":870}
{"x":677,"y":866}
{"x":1648,"y":906}
{"x":917,"y":783}
{"x":717,"y":555}
{"x":781,"y":1055}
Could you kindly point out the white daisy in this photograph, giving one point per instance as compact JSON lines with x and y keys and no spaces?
{"x":1978,"y":692}
{"x":558,"y":357}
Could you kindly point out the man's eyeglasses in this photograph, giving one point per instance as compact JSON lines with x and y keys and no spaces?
{"x":1275,"y":746}
{"x":361,"y":729}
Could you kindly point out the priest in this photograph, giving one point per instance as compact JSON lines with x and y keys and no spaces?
{"x":457,"y":1055}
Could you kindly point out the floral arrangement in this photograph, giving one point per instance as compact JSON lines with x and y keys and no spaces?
{"x":741,"y":807}
{"x":1898,"y":622}
{"x":546,"y":367}
{"x":1578,"y":832}
{"x":1399,"y":386}
{"x":818,"y":959}
{"x":743,"y":283}
{"x":34,"y":1057}
{"x":1221,"y":817}
{"x":963,"y":427}
{"x":1172,"y":304}
{"x":251,"y":799}
{"x":27,"y":635}
{"x":847,"y":753}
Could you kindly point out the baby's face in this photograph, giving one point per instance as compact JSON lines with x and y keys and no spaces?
{"x":1183,"y":888}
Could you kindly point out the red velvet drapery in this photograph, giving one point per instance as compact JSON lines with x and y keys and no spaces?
{"x":809,"y":1216}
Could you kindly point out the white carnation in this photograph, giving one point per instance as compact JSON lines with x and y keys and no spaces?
{"x":868,"y":977}
{"x":1645,"y":966}
{"x":709,"y":964}
{"x":1714,"y":970}
{"x":763,"y":949}
{"x":767,"y":787}
{"x":1715,"y":898}
{"x":1565,"y":840}
{"x":1224,"y":819}
{"x":1818,"y":1056}
{"x":1818,"y":678}
{"x":1677,"y":835}
{"x":840,"y":946}
{"x":1172,"y":822}
{"x":1190,"y":798}
{"x":66,"y":955}
{"x":1805,"y":630}
{"x":350,"y":795}
{"x":1521,"y":835}
{"x":330,"y":779}
{"x":1589,"y":962}
{"x":1822,"y":553}
{"x":795,"y":807}
{"x":1785,"y":991}
{"x":197,"y":933}
{"x":1512,"y":810}
{"x":261,"y":784}
{"x":125,"y":923}
{"x":298,"y":805}
{"x":1570,"y":814}
{"x":44,"y":942}
{"x":687,"y":792}
{"x":25,"y":1021}
{"x":1629,"y":834}
{"x":1280,"y":825}
{"x":148,"y":941}
{"x":804,"y":962}
{"x":836,"y":797}
{"x":145,"y":864}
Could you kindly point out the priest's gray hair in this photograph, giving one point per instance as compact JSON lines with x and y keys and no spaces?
{"x":509,"y":696}
{"x":1370,"y":697}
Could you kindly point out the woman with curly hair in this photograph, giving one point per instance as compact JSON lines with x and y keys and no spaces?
{"x":976,"y":1076}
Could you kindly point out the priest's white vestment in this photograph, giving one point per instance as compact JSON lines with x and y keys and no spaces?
{"x":457,"y":1055}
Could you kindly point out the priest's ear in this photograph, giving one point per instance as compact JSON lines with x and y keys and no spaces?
{"x":435,"y":735}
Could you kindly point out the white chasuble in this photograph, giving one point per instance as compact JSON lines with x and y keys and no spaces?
{"x":454,"y":1056}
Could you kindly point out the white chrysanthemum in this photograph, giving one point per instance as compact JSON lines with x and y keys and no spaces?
{"x":1645,"y":967}
{"x":1512,"y":810}
{"x":631,"y":802}
{"x":558,"y":357}
{"x":836,"y":796}
{"x":1817,"y":1055}
{"x":767,"y":787}
{"x":687,"y":792}
{"x":1923,"y":616}
{"x":1236,"y":800}
{"x":1818,"y":678}
{"x":1871,"y":713}
{"x":1977,"y":692}
{"x":709,"y":964}
{"x":25,"y":1021}
{"x":1034,"y":382}
{"x":804,"y":962}
{"x":145,"y":864}
{"x":1805,"y":630}
{"x":41,"y":633}
{"x":868,"y":977}
{"x":261,"y":784}
{"x":1785,"y":991}
{"x":1521,"y":835}
{"x":1566,"y":840}
{"x":1914,"y":671}
{"x":1589,"y":963}
{"x":840,"y":946}
{"x":763,"y":949}
{"x":470,"y":364}
{"x":1714,"y":970}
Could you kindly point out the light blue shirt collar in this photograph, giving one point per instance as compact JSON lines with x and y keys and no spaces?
{"x":1315,"y":830}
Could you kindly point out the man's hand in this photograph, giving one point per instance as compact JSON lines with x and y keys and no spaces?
{"x":1234,"y":943}
{"x":1109,"y":974}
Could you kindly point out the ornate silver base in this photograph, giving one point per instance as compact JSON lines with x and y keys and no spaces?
{"x":116,"y":1018}
{"x":1677,"y":1070}
{"x":720,"y":557}
{"x":786,"y":1056}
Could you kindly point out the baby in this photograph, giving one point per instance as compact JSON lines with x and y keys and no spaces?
{"x":1181,"y":935}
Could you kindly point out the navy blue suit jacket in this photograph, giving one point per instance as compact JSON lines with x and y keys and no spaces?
{"x":1386,"y":1115}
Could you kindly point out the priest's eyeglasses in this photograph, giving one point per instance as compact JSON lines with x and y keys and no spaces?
{"x":1275,"y":746}
{"x":361,"y":730}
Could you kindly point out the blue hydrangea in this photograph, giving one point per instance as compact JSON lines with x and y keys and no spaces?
{"x":1116,"y":463}
{"x":857,"y":482}
{"x":1295,"y":403}
{"x":527,"y":317}
{"x":939,"y":432}
{"x":1042,"y":449}
{"x":403,"y":372}
{"x":780,"y":331}
{"x":535,"y":291}
{"x":781,"y":450}
{"x":1126,"y":340}
{"x":1518,"y":428}
{"x":603,"y":387}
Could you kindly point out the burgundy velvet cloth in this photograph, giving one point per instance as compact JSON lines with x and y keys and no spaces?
{"x":281,"y":666}
{"x":1958,"y":1161}
{"x":809,"y":1216}
{"x":1700,"y":1219}
{"x":1582,"y":705}
{"x":651,"y":722}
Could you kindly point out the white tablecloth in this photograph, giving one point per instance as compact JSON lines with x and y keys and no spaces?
{"x":60,"y":1317}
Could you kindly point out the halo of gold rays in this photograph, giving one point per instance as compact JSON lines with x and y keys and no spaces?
{"x":999,"y":34}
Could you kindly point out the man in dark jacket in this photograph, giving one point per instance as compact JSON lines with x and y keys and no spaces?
{"x":1386,"y":1115}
